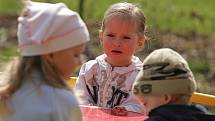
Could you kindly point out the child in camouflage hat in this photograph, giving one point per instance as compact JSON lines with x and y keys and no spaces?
{"x":165,"y":86}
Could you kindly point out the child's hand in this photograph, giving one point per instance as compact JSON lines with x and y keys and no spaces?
{"x":91,"y":104}
{"x":120,"y":111}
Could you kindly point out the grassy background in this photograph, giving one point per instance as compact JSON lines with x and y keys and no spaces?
{"x":10,"y":7}
{"x":184,"y":16}
{"x":181,"y":16}
{"x":193,"y":16}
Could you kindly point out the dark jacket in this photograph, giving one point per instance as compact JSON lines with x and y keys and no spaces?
{"x":179,"y":113}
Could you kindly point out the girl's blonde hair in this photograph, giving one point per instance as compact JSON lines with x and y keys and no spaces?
{"x":130,"y":12}
{"x":22,"y":68}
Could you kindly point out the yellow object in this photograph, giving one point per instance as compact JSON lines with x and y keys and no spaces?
{"x":204,"y":99}
{"x":72,"y":81}
{"x":197,"y":97}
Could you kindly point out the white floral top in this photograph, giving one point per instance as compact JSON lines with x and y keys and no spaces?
{"x":105,"y":86}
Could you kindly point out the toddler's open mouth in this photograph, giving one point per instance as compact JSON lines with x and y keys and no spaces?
{"x":116,"y":51}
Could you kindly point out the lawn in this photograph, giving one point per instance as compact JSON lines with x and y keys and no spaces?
{"x":181,"y":16}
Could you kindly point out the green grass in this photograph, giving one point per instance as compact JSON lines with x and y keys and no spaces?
{"x":199,"y":66}
{"x":6,"y":54}
{"x":181,"y":16}
{"x":10,"y":7}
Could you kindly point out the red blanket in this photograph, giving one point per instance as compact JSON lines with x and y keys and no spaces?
{"x":93,"y":113}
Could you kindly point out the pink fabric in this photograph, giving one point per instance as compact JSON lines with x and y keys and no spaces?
{"x":93,"y":113}
{"x":48,"y":28}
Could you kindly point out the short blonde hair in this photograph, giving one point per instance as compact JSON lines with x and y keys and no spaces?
{"x":128,"y":11}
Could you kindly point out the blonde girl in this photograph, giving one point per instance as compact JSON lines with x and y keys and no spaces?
{"x":107,"y":80}
{"x":51,"y":39}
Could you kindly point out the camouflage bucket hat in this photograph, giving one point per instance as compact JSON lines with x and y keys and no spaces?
{"x":164,"y":72}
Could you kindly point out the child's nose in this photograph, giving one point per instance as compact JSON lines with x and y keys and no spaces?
{"x":117,"y":42}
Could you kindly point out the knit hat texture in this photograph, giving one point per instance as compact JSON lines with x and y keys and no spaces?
{"x":47,"y":28}
{"x":164,"y":72}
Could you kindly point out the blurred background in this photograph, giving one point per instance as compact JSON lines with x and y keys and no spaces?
{"x":187,"y":26}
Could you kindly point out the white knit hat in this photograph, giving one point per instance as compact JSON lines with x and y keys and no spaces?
{"x":48,"y":28}
{"x":164,"y":72}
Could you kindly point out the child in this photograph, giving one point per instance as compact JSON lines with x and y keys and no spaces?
{"x":107,"y":80}
{"x":51,"y":38}
{"x":165,"y":86}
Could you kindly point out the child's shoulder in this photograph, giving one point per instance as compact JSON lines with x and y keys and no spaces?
{"x":89,"y":65}
{"x":93,"y":63}
{"x":65,"y":96}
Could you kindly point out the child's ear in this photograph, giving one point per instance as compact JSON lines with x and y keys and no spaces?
{"x":167,"y":98}
{"x":48,"y":57}
{"x":101,"y":36}
{"x":141,"y":42}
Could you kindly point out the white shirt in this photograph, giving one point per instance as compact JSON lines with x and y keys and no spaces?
{"x":103,"y":85}
{"x":35,"y":101}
